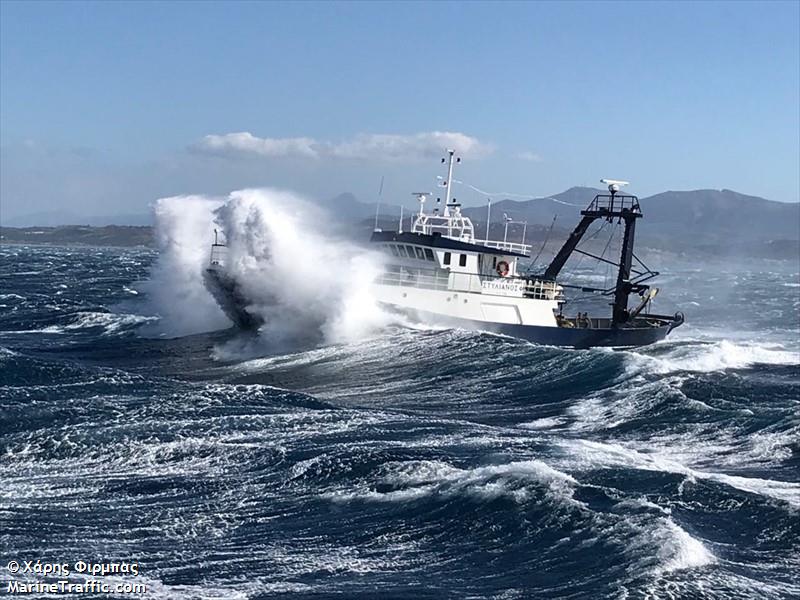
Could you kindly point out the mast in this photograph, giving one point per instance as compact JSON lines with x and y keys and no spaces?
{"x":608,"y":206}
{"x":378,"y":205}
{"x":623,"y":288}
{"x":448,"y":181}
{"x":449,"y":201}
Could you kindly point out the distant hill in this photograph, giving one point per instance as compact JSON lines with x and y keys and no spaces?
{"x":111,"y":235}
{"x":709,"y":217}
{"x":347,"y":207}
{"x":697,"y":222}
{"x":721,"y":213}
{"x":565,"y":206}
{"x":56,"y":218}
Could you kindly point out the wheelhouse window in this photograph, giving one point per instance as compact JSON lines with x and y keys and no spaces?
{"x":446,"y":258}
{"x":402,"y":250}
{"x":393,"y":248}
{"x":462,"y":260}
{"x":410,"y":250}
{"x":420,"y":253}
{"x":429,"y":254}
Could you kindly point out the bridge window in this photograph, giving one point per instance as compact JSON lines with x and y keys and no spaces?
{"x":429,"y":254}
{"x":393,"y":248}
{"x":446,"y":258}
{"x":462,"y":260}
{"x":420,"y":253}
{"x":410,"y":250}
{"x":402,"y":250}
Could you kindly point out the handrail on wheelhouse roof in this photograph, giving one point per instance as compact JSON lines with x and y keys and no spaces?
{"x":436,"y":240}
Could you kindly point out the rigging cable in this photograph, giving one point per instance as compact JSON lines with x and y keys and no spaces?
{"x":608,"y":266}
{"x":510,"y":195}
{"x":546,"y":238}
{"x":591,"y":237}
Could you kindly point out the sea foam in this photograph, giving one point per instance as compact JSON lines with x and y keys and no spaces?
{"x":302,"y":283}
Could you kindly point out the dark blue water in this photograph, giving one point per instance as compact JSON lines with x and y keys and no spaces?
{"x":411,"y":464}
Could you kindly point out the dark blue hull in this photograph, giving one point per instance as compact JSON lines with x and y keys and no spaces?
{"x":640,"y":332}
{"x":585,"y":338}
{"x":232,"y":303}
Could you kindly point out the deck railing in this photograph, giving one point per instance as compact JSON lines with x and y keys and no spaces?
{"x":510,"y":246}
{"x":219,"y":255}
{"x":612,"y":203}
{"x":439,"y":279}
{"x":433,"y":279}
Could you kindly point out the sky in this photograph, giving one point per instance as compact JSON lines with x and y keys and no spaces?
{"x":105,"y":107}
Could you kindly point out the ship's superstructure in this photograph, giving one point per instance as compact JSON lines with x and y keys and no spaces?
{"x":440,"y":272}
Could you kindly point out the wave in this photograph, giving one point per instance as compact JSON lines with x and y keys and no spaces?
{"x":587,"y":454}
{"x":673,"y":357}
{"x":110,"y":323}
{"x":413,"y":480}
{"x":676,"y":549}
{"x":301,"y":283}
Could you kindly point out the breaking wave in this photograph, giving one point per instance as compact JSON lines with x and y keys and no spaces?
{"x":304,"y":285}
{"x":673,"y":357}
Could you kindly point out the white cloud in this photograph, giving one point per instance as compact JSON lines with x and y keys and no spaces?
{"x":363,"y":146}
{"x":530,"y":156}
{"x":244,"y":143}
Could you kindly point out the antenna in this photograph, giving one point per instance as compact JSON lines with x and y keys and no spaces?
{"x":488,"y":217}
{"x":447,"y":183}
{"x":421,"y":197}
{"x":614,"y":184}
{"x":378,"y":205}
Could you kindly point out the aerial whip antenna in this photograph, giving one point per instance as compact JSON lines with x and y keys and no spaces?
{"x":378,"y":205}
{"x":488,"y":217}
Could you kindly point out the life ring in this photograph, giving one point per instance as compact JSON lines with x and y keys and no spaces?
{"x":502,"y":268}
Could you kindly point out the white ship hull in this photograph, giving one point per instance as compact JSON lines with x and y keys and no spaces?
{"x":524,"y":318}
{"x":467,"y":305}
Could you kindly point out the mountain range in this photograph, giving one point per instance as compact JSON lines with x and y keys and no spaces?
{"x":712,"y":221}
{"x":699,"y":221}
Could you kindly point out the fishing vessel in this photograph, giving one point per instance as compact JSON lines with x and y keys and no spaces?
{"x":440,"y":272}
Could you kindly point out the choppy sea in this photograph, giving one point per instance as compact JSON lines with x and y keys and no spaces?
{"x":410,"y":463}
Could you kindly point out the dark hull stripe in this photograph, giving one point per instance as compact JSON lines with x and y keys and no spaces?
{"x":559,"y":336}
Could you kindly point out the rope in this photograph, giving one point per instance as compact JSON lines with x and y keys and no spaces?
{"x":512,"y":195}
{"x":546,"y":238}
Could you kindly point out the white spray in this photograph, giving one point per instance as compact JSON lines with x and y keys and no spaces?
{"x":175,"y":288}
{"x":306,"y":286}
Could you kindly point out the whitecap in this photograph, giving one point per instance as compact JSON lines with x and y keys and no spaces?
{"x":586,"y":454}
{"x":708,"y":357}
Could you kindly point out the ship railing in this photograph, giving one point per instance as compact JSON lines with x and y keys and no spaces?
{"x":613,"y":203}
{"x":510,"y":246}
{"x":424,"y":278}
{"x":439,"y":279}
{"x":543,"y":290}
{"x":219,"y":256}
